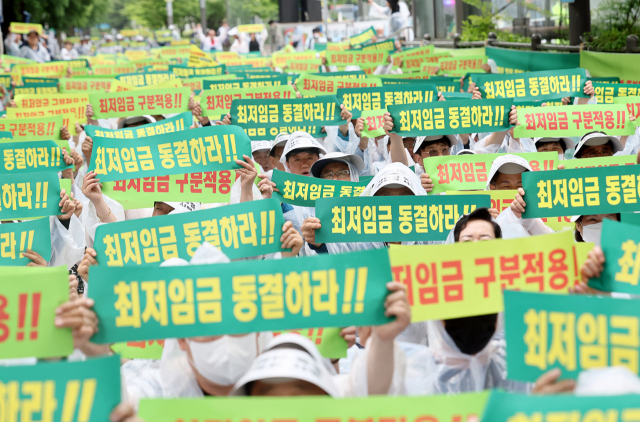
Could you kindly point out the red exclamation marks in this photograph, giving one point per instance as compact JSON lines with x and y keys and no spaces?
{"x":35,"y":315}
{"x":349,"y":282}
{"x":272,"y":225}
{"x":317,"y":338}
{"x":361,"y":289}
{"x":45,"y":188}
{"x":263,"y":227}
{"x":22,"y":313}
{"x":38,"y":187}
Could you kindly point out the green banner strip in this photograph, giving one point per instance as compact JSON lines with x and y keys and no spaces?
{"x":15,"y":238}
{"x":373,"y":123}
{"x":440,"y":118}
{"x":599,"y":190}
{"x":392,"y":219}
{"x":30,"y":157}
{"x":245,"y":83}
{"x":632,"y":103}
{"x":218,"y":102}
{"x":509,"y":407}
{"x":480,"y":273}
{"x":573,"y":121}
{"x":547,"y":85}
{"x":362,"y":37}
{"x":357,"y":100}
{"x":304,"y":190}
{"x":34,"y":129}
{"x":51,"y":100}
{"x":387,"y":45}
{"x":570,"y":332}
{"x":240,"y":231}
{"x":264,"y":119}
{"x":196,"y":72}
{"x":144,"y":79}
{"x":312,"y":85}
{"x":173,"y":124}
{"x":616,"y":160}
{"x":605,"y":92}
{"x":622,"y":66}
{"x":113,"y":70}
{"x":210,"y":148}
{"x":37,"y":88}
{"x":622,"y":267}
{"x":62,"y":391}
{"x":85,"y":85}
{"x":352,"y":74}
{"x":40,"y":291}
{"x":137,"y":103}
{"x":228,"y":302}
{"x":461,"y":65}
{"x":357,"y":57}
{"x":29,"y":195}
{"x":509,"y":60}
{"x":457,"y":407}
{"x":471,"y":172}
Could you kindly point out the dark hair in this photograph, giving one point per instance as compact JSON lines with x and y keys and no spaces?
{"x":479,"y":214}
{"x":494,"y":179}
{"x":576,"y":234}
{"x":300,"y":151}
{"x":425,"y":144}
{"x":395,"y":5}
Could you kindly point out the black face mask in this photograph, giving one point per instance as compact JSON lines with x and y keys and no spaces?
{"x":472,"y":334}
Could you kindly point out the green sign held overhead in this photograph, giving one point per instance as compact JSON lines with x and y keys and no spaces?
{"x":29,"y":195}
{"x":165,"y":126}
{"x":140,"y":102}
{"x":357,"y":100}
{"x":41,"y":128}
{"x":303,"y":191}
{"x":144,"y":303}
{"x":15,"y":238}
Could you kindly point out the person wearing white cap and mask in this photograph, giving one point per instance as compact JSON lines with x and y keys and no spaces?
{"x":589,"y":227}
{"x":431,"y":146}
{"x":338,"y":166}
{"x":598,"y":144}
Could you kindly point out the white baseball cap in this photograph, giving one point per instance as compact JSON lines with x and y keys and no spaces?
{"x":597,"y":138}
{"x":132,"y":120}
{"x":568,"y":142}
{"x":260,"y":146}
{"x":316,"y":168}
{"x":466,"y":152}
{"x":301,"y":140}
{"x":180,"y":207}
{"x":281,"y":140}
{"x":420,"y":139}
{"x":508,"y":164}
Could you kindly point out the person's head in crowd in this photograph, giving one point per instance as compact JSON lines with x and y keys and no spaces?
{"x":164,"y":208}
{"x":68,"y":45}
{"x":211,"y":33}
{"x":338,"y":166}
{"x":289,"y":366}
{"x":134,"y":121}
{"x":476,"y":226}
{"x":33,"y":39}
{"x":300,"y":153}
{"x":471,"y":334}
{"x":252,"y":36}
{"x":276,"y":150}
{"x":589,"y":227}
{"x":394,"y":5}
{"x":260,"y":152}
{"x":394,"y":179}
{"x":317,"y":32}
{"x":506,"y":172}
{"x":433,"y":146}
{"x":549,"y":144}
{"x":597,"y":144}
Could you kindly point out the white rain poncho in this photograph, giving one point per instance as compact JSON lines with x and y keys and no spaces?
{"x":379,"y":165}
{"x":354,"y":174}
{"x":441,"y":368}
{"x":91,"y":221}
{"x":67,"y":245}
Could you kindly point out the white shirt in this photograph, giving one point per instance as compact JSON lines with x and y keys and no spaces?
{"x":68,"y":54}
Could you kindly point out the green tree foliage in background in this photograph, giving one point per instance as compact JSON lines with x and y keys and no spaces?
{"x":613,"y":22}
{"x":477,"y":27}
{"x":62,"y":15}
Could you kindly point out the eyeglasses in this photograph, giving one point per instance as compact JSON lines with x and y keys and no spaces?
{"x":598,"y":153}
{"x":436,"y":153}
{"x":336,"y":174}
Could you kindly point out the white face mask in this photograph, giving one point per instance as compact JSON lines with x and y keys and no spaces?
{"x":592,"y":233}
{"x":225,"y":360}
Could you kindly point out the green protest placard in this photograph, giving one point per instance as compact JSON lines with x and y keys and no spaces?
{"x":85,"y":85}
{"x":240,"y":231}
{"x":196,"y":72}
{"x":113,"y":70}
{"x":547,"y":85}
{"x":28,"y":310}
{"x":31,"y":156}
{"x":373,"y":123}
{"x":327,"y":340}
{"x":480,"y":273}
{"x":6,"y":135}
{"x":436,"y":408}
{"x":280,"y":59}
{"x":357,"y":57}
{"x":148,"y":349}
{"x":147,"y":78}
{"x":362,"y":37}
{"x":330,"y":290}
{"x":392,"y":219}
{"x":245,"y":83}
{"x":264,"y":119}
{"x":210,"y":148}
{"x":70,"y":115}
{"x":605,"y":80}
{"x":570,"y":332}
{"x":43,"y":70}
{"x":357,"y":100}
{"x":205,"y":187}
{"x":440,"y":118}
{"x":509,"y":407}
{"x":304,"y":190}
{"x":470,"y":172}
{"x":599,"y":190}
{"x":622,"y":251}
{"x":424,"y":50}
{"x":37,"y":88}
{"x":461,"y":65}
{"x":455,"y":96}
{"x":386,"y":45}
{"x":632,"y":103}
{"x":176,"y":123}
{"x":29,"y":195}
{"x":573,"y":121}
{"x":353,"y":74}
{"x":406,"y":76}
{"x":137,"y":103}
{"x":616,"y":160}
{"x":25,"y":28}
{"x":303,"y":66}
{"x":606,"y":92}
{"x":34,"y":129}
{"x":312,"y":85}
{"x":218,"y":102}
{"x":630,"y":218}
{"x":16,"y":237}
{"x":62,"y":391}
{"x":51,"y":100}
{"x":611,"y":64}
{"x":510,"y":61}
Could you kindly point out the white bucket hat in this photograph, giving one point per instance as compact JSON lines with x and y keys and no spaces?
{"x":132,"y":120}
{"x":349,"y":159}
{"x":260,"y":146}
{"x":420,"y":139}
